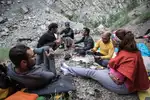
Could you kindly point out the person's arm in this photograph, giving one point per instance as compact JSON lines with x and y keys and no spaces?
{"x":147,"y":32}
{"x":81,"y":40}
{"x":49,"y":56}
{"x":41,"y":49}
{"x":89,"y":45}
{"x":62,"y":32}
{"x":96,"y":46}
{"x":110,"y":53}
{"x":41,"y":41}
{"x":40,"y":78}
{"x":69,"y":34}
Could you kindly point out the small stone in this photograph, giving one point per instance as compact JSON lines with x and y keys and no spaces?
{"x":43,"y":27}
{"x":3,"y":20}
{"x":47,"y":10}
{"x":9,"y":2}
{"x":48,"y":23}
{"x":2,"y":2}
{"x":24,"y":9}
{"x":5,"y":29}
{"x":27,"y":17}
{"x":3,"y":34}
{"x":19,"y":1}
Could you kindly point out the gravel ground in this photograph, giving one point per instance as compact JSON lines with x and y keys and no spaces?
{"x":32,"y":25}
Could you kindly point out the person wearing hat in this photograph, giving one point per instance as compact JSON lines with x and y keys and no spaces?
{"x":67,"y":36}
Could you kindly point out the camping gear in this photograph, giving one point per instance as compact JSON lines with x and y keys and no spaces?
{"x":144,"y":95}
{"x":4,"y":93}
{"x":62,"y":84}
{"x":22,"y":96}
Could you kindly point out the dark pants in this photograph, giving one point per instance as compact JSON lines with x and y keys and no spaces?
{"x":102,"y":62}
{"x":80,"y":50}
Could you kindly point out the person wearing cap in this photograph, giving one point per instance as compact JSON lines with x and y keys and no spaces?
{"x":67,"y":36}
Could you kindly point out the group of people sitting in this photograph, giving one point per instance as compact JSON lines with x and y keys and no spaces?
{"x":123,"y":74}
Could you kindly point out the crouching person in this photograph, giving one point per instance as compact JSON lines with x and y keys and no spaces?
{"x":33,"y":76}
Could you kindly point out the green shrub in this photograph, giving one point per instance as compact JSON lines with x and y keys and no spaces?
{"x":118,"y":20}
{"x":133,"y":4}
{"x":121,"y":22}
{"x":143,"y":17}
{"x":4,"y":52}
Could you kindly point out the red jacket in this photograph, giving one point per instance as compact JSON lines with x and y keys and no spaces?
{"x":131,"y":65}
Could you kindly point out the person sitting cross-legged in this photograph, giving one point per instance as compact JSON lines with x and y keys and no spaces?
{"x":87,"y":40}
{"x":103,"y":56}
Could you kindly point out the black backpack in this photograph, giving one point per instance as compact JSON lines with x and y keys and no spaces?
{"x":5,"y":81}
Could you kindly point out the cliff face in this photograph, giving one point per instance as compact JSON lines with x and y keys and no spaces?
{"x":92,"y":12}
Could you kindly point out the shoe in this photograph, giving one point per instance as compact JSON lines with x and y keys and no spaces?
{"x":64,"y":70}
{"x":64,"y":65}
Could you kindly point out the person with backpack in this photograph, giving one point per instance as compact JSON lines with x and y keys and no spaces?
{"x":126,"y":73}
{"x":35,"y":77}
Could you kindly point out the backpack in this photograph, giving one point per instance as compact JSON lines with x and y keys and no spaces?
{"x":7,"y":85}
{"x":4,"y":79}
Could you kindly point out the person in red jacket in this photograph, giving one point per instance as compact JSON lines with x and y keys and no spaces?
{"x":126,"y":72}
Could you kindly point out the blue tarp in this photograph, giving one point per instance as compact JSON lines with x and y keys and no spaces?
{"x":142,"y":47}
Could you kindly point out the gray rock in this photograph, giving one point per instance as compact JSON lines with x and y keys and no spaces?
{"x":47,"y":10}
{"x":43,"y":27}
{"x":5,"y":29}
{"x":3,"y":20}
{"x":9,"y":2}
{"x":3,"y":34}
{"x":24,"y":9}
{"x":2,"y":2}
{"x":19,"y":1}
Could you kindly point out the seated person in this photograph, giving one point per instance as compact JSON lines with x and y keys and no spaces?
{"x":88,"y":43}
{"x":24,"y":69}
{"x":127,"y":73}
{"x":67,"y":36}
{"x":146,"y":35}
{"x":49,"y":39}
{"x":106,"y":50}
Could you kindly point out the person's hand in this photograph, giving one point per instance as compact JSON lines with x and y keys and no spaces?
{"x":97,"y":57}
{"x":92,"y":50}
{"x":50,"y":52}
{"x":58,"y":41}
{"x":76,"y":47}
